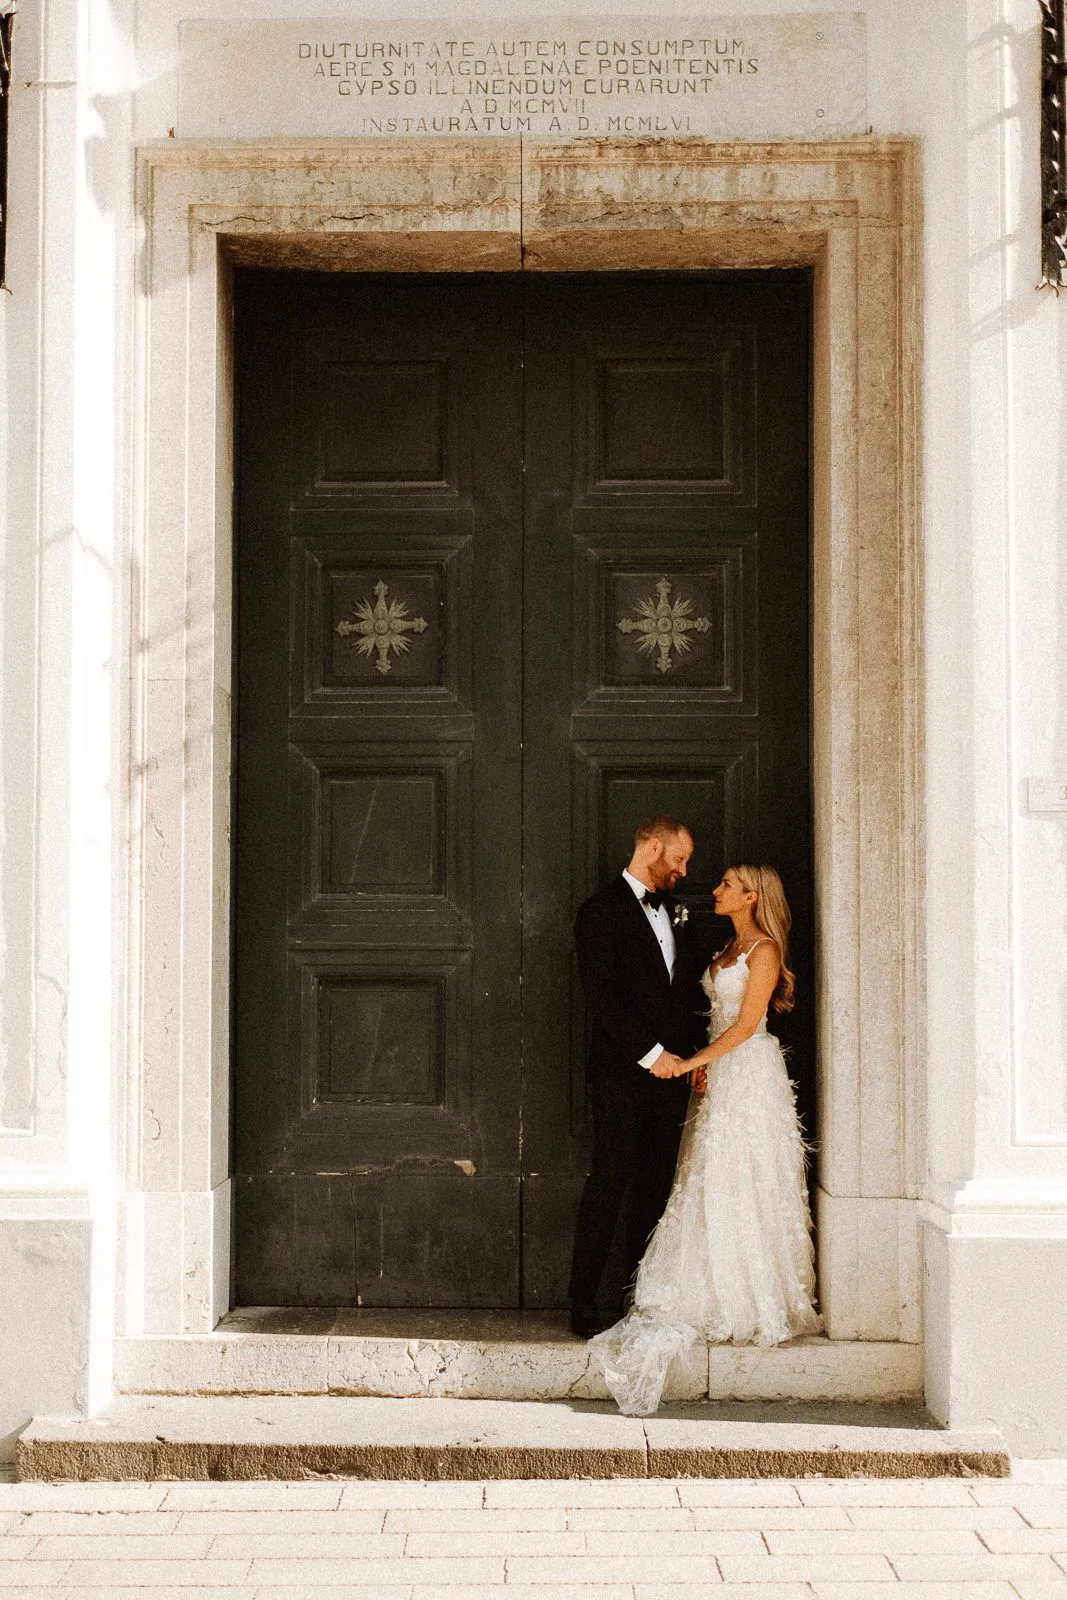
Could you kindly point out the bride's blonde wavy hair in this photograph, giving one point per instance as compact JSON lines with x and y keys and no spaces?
{"x":771,"y":916}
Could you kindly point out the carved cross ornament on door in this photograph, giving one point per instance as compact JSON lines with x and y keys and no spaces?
{"x":663,"y":625}
{"x":382,"y":627}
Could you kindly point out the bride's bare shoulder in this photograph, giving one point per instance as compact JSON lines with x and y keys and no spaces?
{"x":765,"y":957}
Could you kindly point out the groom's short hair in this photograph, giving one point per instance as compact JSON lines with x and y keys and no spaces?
{"x":661,"y":827}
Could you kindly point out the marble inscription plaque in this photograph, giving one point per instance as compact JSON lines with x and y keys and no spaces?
{"x":754,"y":77}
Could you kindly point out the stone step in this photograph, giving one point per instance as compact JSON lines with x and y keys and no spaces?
{"x":484,"y":1355}
{"x":308,"y":1436}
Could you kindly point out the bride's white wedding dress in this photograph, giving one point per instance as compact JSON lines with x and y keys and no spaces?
{"x":732,"y":1258}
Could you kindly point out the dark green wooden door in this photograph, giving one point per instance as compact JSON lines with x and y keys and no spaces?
{"x":518,"y":562}
{"x":377,"y":927}
{"x":666,"y":602}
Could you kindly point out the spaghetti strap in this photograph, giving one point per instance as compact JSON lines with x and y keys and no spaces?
{"x":746,"y":953}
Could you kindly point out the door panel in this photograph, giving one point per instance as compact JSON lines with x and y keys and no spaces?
{"x":519,"y":562}
{"x":665,"y":595}
{"x":378,"y":604}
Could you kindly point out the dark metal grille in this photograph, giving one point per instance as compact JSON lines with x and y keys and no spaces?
{"x":1053,"y":143}
{"x":7,"y":22}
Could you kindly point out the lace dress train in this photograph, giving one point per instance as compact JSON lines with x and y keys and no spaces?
{"x":732,"y":1258}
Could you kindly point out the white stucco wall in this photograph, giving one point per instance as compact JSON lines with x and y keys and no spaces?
{"x":91,"y":80}
{"x":996,"y":671}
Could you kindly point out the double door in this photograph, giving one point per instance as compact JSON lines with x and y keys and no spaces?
{"x":519,"y":562}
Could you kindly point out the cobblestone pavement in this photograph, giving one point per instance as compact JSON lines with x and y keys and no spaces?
{"x":814,"y":1539}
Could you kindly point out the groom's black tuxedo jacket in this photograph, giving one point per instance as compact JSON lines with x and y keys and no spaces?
{"x":634,"y":1000}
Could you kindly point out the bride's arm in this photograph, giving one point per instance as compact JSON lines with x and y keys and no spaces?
{"x":763,"y":968}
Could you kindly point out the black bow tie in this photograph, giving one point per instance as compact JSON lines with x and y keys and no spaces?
{"x":653,"y":899}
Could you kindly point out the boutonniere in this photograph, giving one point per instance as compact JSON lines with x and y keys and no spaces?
{"x":681,"y":916}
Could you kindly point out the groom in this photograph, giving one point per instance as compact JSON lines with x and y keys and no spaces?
{"x":641,"y":974}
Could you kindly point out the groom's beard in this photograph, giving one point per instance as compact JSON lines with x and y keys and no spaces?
{"x":664,"y":880}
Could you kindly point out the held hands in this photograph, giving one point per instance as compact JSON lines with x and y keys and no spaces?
{"x":667,"y":1065}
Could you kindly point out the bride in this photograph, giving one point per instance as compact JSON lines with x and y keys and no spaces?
{"x":731,"y":1259}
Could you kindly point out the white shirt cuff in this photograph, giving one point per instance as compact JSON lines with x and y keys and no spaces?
{"x":651,"y":1055}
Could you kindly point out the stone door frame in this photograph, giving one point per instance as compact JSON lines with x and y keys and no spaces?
{"x":848,"y":210}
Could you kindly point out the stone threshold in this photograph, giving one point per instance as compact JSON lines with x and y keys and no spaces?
{"x":318,"y":1436}
{"x":484,"y":1355}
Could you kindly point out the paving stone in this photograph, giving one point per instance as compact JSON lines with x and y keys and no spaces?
{"x":262,"y":1495}
{"x":950,"y":1568}
{"x":301,"y":1546}
{"x":1049,"y":1469}
{"x":889,"y":1541}
{"x":887,"y":1492}
{"x":1045,"y":1511}
{"x":155,"y":1592}
{"x":720,"y":1591}
{"x":1016,"y":1491}
{"x":1024,"y":1539}
{"x":13,"y":1575}
{"x":102,"y":1496}
{"x":347,"y":1591}
{"x":110,"y":1574}
{"x":620,"y":1568}
{"x":393,"y":1495}
{"x":810,"y":1568}
{"x":494,"y":1542}
{"x":764,"y":1518}
{"x":655,"y":1542}
{"x":976,"y":1517}
{"x":121,"y":1547}
{"x":913,"y":1591}
{"x":297,"y":1523}
{"x":583,"y":1492}
{"x":578,"y":1540}
{"x":427,"y":1519}
{"x":630,"y":1519}
{"x":59,"y":1591}
{"x":523,"y":1591}
{"x":473,"y":1570}
{"x":95,"y":1522}
{"x":745,"y":1492}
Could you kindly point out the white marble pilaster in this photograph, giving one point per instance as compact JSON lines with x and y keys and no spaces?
{"x":996,"y":1213}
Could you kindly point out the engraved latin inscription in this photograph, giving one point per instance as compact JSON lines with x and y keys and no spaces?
{"x":738,"y":77}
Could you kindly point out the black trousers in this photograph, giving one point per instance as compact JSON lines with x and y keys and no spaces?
{"x":637,"y":1126}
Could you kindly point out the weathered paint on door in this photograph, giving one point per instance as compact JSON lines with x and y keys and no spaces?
{"x":518,"y":562}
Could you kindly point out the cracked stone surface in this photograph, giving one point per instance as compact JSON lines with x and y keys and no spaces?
{"x":272,"y":1437}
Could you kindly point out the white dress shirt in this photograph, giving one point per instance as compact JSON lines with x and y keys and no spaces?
{"x":660,"y":920}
